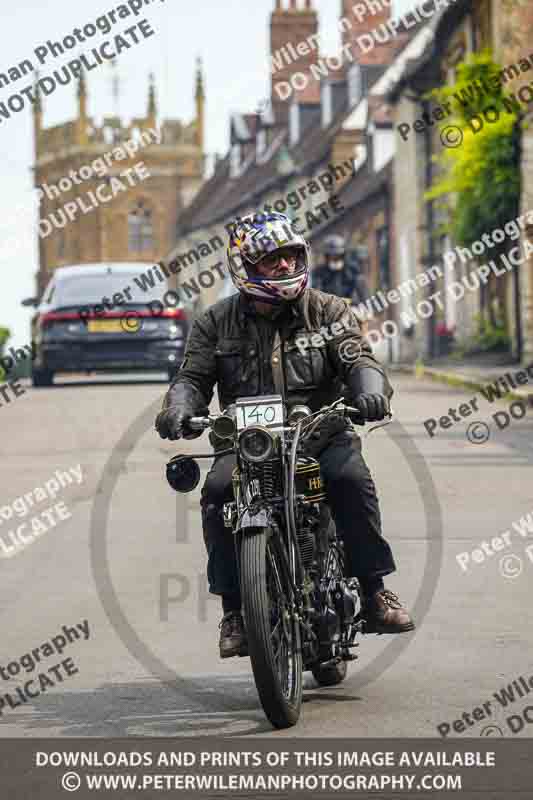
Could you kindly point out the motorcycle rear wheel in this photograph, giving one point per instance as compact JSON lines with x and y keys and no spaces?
{"x":272,"y":636}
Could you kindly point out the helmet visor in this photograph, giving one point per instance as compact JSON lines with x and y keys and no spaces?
{"x":286,"y":261}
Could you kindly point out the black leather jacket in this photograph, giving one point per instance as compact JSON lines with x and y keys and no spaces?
{"x":226,"y":348}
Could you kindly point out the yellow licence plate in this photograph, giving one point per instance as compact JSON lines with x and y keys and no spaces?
{"x":105,"y":326}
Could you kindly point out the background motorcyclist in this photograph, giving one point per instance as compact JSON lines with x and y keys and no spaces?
{"x":246,"y":345}
{"x":341,"y":273}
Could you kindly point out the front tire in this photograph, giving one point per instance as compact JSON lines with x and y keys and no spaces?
{"x":272,"y":634}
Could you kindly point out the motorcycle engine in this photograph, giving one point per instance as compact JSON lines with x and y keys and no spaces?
{"x":347,"y":600}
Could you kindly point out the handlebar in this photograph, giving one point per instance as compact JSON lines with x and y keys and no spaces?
{"x":202,"y":423}
{"x":199,"y":423}
{"x":349,"y":410}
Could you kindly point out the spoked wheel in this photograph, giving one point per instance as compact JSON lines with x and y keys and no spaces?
{"x":273,"y":639}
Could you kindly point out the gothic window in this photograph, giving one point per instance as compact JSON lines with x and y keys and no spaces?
{"x":140,"y":229}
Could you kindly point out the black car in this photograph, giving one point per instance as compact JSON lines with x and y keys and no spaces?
{"x":95,"y":317}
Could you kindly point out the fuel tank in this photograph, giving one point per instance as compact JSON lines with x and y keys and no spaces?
{"x":308,"y":481}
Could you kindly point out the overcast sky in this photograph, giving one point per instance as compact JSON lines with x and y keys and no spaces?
{"x":232,"y":38}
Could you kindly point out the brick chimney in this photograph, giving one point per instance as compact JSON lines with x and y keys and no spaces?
{"x":364,"y":28}
{"x":294,"y":46}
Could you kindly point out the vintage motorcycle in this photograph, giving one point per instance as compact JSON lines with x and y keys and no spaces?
{"x":300,"y":611}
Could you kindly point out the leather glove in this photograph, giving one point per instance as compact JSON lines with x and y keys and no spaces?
{"x":370,"y":391}
{"x":170,"y":422}
{"x":372,"y":407}
{"x":182,"y":402}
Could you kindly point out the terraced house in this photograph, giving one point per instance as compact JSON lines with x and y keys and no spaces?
{"x":338,"y":126}
{"x":504,"y":27}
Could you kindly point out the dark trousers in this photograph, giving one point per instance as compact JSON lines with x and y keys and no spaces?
{"x":351,"y":495}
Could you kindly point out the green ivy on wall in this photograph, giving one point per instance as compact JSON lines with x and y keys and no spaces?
{"x":479,"y":181}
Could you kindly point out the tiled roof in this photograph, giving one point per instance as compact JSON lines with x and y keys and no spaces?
{"x":222,"y":196}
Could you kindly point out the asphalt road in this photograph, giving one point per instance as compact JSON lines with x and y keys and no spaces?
{"x":150,"y":663}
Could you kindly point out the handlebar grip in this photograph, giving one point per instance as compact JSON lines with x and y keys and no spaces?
{"x":198,"y":423}
{"x":354,"y":415}
{"x":351,"y":410}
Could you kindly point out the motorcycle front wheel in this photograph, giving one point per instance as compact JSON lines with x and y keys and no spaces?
{"x":272,"y":634}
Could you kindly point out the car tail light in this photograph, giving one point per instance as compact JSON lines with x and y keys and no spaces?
{"x":58,"y":316}
{"x":66,"y":316}
{"x":175,"y":313}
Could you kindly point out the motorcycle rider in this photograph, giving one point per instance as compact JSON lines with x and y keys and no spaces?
{"x":338,"y":275}
{"x":246,"y":345}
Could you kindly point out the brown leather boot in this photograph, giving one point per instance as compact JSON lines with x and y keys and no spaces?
{"x":232,"y":635}
{"x":384,"y":613}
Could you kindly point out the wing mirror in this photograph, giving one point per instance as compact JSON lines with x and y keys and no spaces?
{"x":183,"y":474}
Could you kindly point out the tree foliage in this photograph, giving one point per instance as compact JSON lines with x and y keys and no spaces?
{"x":5,"y":333}
{"x":479,"y":181}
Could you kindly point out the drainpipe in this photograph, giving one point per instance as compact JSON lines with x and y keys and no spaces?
{"x":517,"y":147}
{"x":429,"y":226}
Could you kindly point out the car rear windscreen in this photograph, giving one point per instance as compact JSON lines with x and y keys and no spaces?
{"x":91,"y":289}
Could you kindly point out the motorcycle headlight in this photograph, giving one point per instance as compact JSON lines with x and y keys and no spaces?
{"x":297,"y":413}
{"x":256,"y":444}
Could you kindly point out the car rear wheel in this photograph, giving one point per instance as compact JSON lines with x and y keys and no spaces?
{"x":42,"y":377}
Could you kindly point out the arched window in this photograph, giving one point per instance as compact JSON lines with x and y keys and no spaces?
{"x":140,"y":229}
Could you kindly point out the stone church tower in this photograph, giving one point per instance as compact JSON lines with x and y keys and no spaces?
{"x":138,"y":223}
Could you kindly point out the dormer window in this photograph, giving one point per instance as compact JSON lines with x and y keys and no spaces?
{"x":235,"y":160}
{"x":261,"y":142}
{"x":294,"y":124}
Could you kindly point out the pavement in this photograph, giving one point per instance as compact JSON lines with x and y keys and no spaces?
{"x":128,"y":566}
{"x":472,"y":375}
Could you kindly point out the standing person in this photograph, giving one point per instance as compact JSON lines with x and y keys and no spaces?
{"x":246,"y":344}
